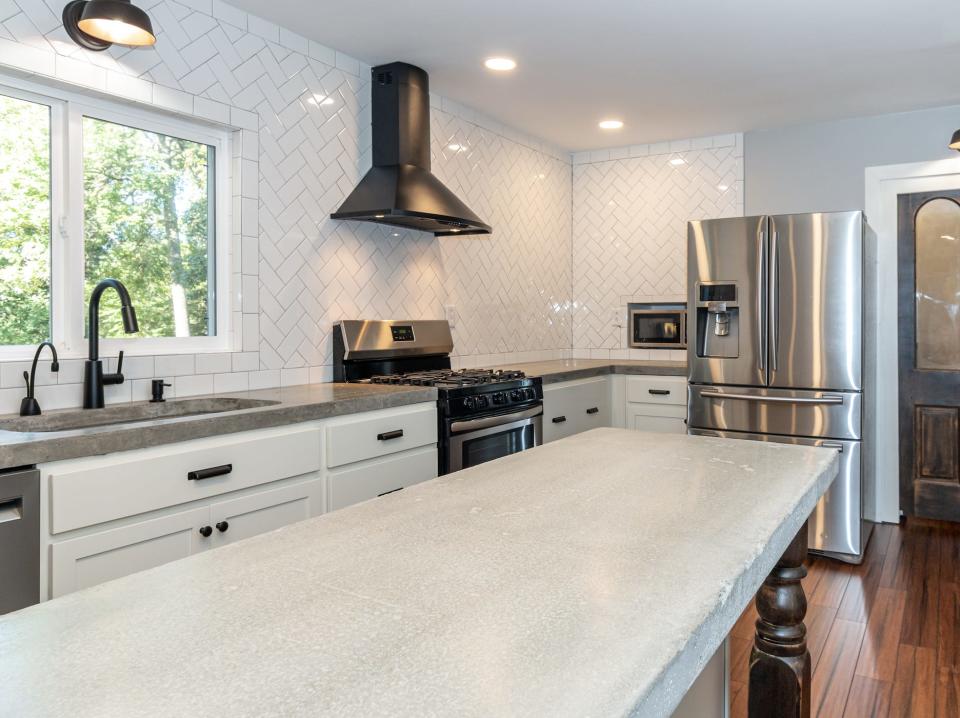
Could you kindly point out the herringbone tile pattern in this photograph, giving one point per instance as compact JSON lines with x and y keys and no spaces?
{"x":629,"y":230}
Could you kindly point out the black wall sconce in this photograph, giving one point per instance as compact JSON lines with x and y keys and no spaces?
{"x":955,"y":142}
{"x":98,"y":24}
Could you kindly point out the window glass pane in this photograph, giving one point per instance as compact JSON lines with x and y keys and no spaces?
{"x":148,"y":215}
{"x":24,"y":221}
{"x":938,"y":285}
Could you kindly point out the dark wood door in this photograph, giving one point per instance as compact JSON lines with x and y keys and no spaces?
{"x":928,"y":249}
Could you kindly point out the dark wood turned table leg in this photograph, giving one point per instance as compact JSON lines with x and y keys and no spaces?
{"x":780,"y":662}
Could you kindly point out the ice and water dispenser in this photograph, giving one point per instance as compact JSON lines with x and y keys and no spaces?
{"x":718,"y":320}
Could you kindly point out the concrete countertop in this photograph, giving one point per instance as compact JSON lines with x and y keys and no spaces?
{"x":295,"y":404}
{"x":557,"y":370}
{"x":595,"y":575}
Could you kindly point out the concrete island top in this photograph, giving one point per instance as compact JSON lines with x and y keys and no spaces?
{"x":293,"y":405}
{"x":595,"y":575}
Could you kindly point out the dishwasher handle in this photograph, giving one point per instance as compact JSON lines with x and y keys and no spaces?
{"x":11,"y":510}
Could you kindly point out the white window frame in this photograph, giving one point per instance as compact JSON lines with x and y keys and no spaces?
{"x":68,"y":305}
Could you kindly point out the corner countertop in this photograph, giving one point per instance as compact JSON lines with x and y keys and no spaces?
{"x":557,"y":370}
{"x":294,"y":404}
{"x":595,"y":575}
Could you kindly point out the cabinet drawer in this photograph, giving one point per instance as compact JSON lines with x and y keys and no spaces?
{"x":93,"y":491}
{"x":657,"y":389}
{"x":572,"y":407}
{"x":99,"y":557}
{"x":378,"y":433}
{"x":660,"y":418}
{"x":265,"y":510}
{"x":375,"y":478}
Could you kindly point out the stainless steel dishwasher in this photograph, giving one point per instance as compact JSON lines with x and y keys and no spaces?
{"x":19,"y":539}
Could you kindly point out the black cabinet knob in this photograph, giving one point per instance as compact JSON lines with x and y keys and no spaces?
{"x":206,"y":531}
{"x":222,"y":526}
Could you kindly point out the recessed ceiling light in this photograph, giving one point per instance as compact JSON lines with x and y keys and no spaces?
{"x":611,"y":124}
{"x":677,"y":161}
{"x":500,"y":64}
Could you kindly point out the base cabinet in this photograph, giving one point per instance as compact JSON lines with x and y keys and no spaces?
{"x":371,"y":479}
{"x":105,"y":555}
{"x":574,"y":406}
{"x":240,"y":518}
{"x":659,"y":419}
{"x":656,"y":403}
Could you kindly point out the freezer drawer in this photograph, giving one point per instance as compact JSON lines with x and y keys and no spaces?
{"x":826,"y":414}
{"x":835,"y":526}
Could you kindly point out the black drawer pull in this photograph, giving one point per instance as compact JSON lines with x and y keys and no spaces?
{"x":201,"y":474}
{"x":387,"y":435}
{"x":593,"y":410}
{"x":558,"y":419}
{"x":661,"y":392}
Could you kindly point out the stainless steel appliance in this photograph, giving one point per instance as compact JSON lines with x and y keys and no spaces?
{"x":782,"y":348}
{"x":19,"y":539}
{"x":658,"y":326}
{"x":482,"y":414}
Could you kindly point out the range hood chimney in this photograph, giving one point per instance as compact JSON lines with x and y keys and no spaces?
{"x":399,"y":189}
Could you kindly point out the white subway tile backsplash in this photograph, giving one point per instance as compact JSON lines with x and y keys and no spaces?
{"x":264,"y":379}
{"x":245,"y":361}
{"x":193,"y":384}
{"x":11,"y":373}
{"x":213,"y":363}
{"x":174,"y":365}
{"x":234,"y":381}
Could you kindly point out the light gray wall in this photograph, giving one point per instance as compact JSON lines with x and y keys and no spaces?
{"x":819,"y":167}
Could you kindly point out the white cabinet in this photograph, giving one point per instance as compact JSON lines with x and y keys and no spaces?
{"x":110,"y":516}
{"x":246,"y":516}
{"x":97,"y":557}
{"x":656,"y":403}
{"x":571,"y":407}
{"x":370,"y":479}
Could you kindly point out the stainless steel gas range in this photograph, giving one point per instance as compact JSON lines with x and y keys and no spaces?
{"x":482,"y":414}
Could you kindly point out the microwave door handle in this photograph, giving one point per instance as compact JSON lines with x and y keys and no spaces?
{"x":762,"y":297}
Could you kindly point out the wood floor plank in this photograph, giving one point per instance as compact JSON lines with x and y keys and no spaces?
{"x":914,"y":686}
{"x":832,"y":584}
{"x":815,"y":571}
{"x":862,"y":588}
{"x":948,"y":692}
{"x":922,"y":587}
{"x":739,"y":701}
{"x":949,"y":539}
{"x":740,"y":659}
{"x":868,"y":697}
{"x":835,"y":669}
{"x":948,"y":628}
{"x":881,"y":640}
{"x":891,"y":559}
{"x":819,"y":621}
{"x":746,"y":625}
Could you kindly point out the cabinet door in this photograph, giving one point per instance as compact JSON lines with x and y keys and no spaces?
{"x":572,"y":407}
{"x":369,"y":479}
{"x":657,"y":418}
{"x":98,"y":557}
{"x":240,"y":518}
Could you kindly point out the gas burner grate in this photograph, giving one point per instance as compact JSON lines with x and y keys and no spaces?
{"x":448,"y":377}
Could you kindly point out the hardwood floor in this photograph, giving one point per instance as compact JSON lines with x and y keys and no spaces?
{"x":884,"y":636}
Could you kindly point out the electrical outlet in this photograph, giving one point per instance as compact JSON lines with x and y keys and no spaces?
{"x":450,"y":312}
{"x":616,"y":317}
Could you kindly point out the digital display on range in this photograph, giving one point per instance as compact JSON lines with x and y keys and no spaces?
{"x":402,"y":333}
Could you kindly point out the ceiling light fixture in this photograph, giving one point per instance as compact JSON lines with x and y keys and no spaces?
{"x":611,"y":124}
{"x":500,"y":64}
{"x":98,"y":24}
{"x":677,"y":161}
{"x":955,"y":141}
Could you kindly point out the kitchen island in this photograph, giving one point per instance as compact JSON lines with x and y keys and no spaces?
{"x":592,"y":576}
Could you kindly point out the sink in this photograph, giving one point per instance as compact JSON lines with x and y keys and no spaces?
{"x":129,"y":413}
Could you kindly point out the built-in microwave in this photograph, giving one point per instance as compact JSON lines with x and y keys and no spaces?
{"x":658,"y":326}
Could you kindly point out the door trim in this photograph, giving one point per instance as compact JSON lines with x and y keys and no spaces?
{"x":882,"y":184}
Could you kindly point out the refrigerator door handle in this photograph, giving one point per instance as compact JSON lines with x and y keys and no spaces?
{"x":774,"y":308}
{"x":825,"y":399}
{"x":761,"y":297}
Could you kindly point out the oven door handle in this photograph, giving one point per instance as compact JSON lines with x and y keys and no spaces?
{"x":458,"y":427}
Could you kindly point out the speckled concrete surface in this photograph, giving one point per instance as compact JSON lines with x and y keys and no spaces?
{"x":591,"y":576}
{"x":557,"y":370}
{"x":294,"y":404}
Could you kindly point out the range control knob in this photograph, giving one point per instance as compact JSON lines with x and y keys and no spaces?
{"x":516,"y":395}
{"x":499,"y":398}
{"x":529,"y":394}
{"x":470,"y":402}
{"x":482,"y":402}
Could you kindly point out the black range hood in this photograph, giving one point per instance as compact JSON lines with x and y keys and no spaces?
{"x":399,"y":189}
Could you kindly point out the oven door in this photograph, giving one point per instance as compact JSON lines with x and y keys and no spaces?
{"x":658,"y":328}
{"x":474,"y":441}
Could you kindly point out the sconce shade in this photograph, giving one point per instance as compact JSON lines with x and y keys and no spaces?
{"x":98,"y":24}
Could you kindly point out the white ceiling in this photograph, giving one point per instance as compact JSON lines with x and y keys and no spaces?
{"x":669,"y":68}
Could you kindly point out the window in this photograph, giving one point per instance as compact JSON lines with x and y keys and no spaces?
{"x":89,"y":191}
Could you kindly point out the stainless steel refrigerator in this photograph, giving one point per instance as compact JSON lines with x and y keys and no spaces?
{"x":781,"y":345}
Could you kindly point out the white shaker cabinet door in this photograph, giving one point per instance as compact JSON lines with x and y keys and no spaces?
{"x":661,"y":419}
{"x":240,"y":518}
{"x":105,"y":555}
